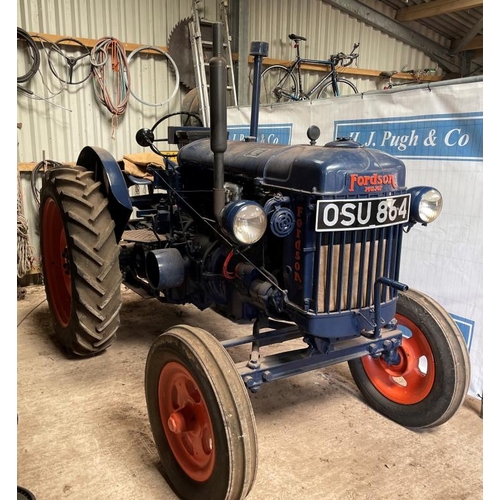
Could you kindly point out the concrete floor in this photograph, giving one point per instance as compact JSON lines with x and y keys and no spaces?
{"x":83,"y":431}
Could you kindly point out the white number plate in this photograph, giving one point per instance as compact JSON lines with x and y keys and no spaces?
{"x":346,"y":215}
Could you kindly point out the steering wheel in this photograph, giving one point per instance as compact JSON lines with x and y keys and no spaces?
{"x":146,"y":138}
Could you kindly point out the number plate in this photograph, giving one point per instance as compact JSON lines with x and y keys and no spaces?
{"x":347,"y":215}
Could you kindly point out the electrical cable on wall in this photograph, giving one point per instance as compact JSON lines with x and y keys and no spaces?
{"x":111,"y":76}
{"x":170,"y":63}
{"x":37,"y":38}
{"x":33,"y":54}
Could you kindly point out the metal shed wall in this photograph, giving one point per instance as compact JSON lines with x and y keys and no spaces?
{"x":57,"y":128}
{"x":329,"y":31}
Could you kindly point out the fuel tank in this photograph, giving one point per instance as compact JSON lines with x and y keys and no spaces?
{"x":342,"y":167}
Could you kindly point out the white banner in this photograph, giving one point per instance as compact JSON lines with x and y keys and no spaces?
{"x":437,"y":131}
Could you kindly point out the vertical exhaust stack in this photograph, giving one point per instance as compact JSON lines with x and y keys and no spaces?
{"x":218,"y":117}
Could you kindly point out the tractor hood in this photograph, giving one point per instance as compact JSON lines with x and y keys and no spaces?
{"x":339,"y":167}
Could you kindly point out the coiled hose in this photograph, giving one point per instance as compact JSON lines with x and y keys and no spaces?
{"x":33,"y":53}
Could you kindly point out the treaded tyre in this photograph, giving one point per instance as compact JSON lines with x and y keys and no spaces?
{"x":201,"y":416}
{"x":431,"y":380}
{"x":80,"y":264}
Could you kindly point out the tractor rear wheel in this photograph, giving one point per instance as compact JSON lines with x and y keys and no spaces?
{"x":79,"y":255}
{"x":200,"y":416}
{"x":430,"y":381}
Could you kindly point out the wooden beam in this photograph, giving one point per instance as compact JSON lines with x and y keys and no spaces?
{"x":474,"y":44}
{"x":460,"y":45}
{"x":90,"y":42}
{"x":349,"y":70}
{"x":435,"y":8}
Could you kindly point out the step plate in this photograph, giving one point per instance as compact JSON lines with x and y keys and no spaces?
{"x":142,"y":236}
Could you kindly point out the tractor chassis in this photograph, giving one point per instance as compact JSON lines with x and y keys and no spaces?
{"x":259,"y":369}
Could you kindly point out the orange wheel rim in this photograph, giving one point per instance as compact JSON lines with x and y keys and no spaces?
{"x":56,"y":262}
{"x":412,"y":378}
{"x":186,"y":421}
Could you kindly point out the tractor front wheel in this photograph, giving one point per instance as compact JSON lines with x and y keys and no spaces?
{"x":79,"y":255}
{"x":431,"y":378}
{"x":200,"y":416}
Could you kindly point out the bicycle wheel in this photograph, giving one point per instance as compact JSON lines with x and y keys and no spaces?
{"x":277,"y":84}
{"x":345,"y":87}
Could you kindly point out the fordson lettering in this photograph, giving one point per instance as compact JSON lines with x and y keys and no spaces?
{"x":372,"y":182}
{"x":297,"y":267}
{"x":342,"y":215}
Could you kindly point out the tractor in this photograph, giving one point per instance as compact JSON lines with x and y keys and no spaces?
{"x":300,"y":242}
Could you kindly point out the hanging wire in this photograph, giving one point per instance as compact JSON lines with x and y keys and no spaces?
{"x":170,"y":63}
{"x":111,"y":76}
{"x":42,"y":166}
{"x":29,"y":93}
{"x":33,"y":54}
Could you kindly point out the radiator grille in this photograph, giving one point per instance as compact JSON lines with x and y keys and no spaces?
{"x":348,"y":264}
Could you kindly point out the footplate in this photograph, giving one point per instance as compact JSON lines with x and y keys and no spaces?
{"x":142,"y":236}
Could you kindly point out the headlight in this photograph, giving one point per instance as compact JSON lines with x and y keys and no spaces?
{"x":426,"y":204}
{"x":245,"y":222}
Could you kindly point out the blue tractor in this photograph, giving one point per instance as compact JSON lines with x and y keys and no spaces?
{"x":300,"y":241}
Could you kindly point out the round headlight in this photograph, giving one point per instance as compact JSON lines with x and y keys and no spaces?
{"x":244,"y":221}
{"x":427,"y":204}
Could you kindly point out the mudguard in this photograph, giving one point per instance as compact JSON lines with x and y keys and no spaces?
{"x":107,"y":171}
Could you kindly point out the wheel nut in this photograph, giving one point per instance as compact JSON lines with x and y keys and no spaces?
{"x":176,"y":423}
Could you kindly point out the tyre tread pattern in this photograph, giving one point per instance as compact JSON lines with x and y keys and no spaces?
{"x":96,"y":276}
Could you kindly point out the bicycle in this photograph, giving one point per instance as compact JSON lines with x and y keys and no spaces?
{"x":416,"y":75}
{"x":281,"y":83}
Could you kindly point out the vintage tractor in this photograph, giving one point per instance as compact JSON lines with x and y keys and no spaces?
{"x":301,"y":241}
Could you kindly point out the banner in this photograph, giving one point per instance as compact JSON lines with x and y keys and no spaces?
{"x":437,"y":130}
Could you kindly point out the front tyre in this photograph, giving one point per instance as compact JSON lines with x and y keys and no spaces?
{"x":79,"y":255}
{"x":430,"y":381}
{"x":200,"y":416}
{"x":344,"y":88}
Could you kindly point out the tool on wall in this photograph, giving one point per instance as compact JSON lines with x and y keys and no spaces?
{"x":190,"y":45}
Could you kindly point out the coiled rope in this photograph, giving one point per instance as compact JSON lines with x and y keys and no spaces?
{"x":111,"y":76}
{"x":25,"y":251}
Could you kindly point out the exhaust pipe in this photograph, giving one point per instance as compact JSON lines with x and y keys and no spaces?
{"x":218,"y":117}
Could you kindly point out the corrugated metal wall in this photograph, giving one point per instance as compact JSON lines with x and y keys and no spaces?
{"x":60,"y":122}
{"x":61,"y":133}
{"x":329,"y":31}
{"x":59,"y":127}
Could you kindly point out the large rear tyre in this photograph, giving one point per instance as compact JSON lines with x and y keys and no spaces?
{"x":431,"y":380}
{"x":79,"y":255}
{"x":344,"y":88}
{"x":200,"y":416}
{"x":277,"y":84}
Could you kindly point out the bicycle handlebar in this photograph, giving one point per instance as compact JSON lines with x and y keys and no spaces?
{"x":343,"y":59}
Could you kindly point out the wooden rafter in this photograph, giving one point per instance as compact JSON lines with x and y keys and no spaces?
{"x":435,"y":8}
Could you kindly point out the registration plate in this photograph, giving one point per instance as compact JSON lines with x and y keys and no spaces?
{"x":346,"y":215}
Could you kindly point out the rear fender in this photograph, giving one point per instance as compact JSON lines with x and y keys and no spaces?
{"x":107,"y":171}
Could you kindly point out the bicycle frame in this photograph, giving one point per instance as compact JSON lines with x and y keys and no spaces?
{"x":296,"y":67}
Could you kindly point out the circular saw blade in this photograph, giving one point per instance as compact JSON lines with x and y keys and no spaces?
{"x":179,"y":48}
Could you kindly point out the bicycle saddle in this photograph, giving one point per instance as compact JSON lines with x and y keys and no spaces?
{"x":296,"y":38}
